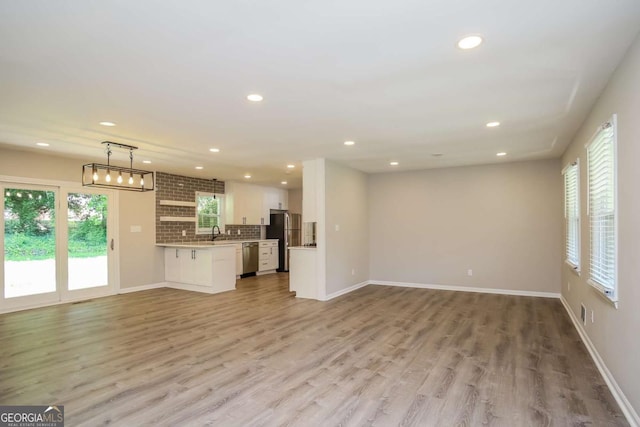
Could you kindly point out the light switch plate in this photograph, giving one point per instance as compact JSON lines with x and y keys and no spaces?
{"x":136,"y":229}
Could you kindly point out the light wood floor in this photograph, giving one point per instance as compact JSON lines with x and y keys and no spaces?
{"x":258,"y":356}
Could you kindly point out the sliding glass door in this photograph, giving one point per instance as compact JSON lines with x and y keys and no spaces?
{"x":89,"y":244}
{"x":30,"y":239}
{"x":58,"y":245}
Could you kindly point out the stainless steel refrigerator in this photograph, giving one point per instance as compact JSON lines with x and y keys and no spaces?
{"x":287,"y":228}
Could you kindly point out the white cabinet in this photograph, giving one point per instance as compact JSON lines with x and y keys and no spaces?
{"x":238,"y":259}
{"x":201,"y":269}
{"x":172,"y":267}
{"x":243,"y":204}
{"x":268,"y":256}
{"x":251,"y":204}
{"x":185,"y":265}
{"x":273,"y":198}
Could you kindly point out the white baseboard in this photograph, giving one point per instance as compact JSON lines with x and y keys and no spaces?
{"x":261,"y":273}
{"x":345,"y":290}
{"x":142,"y":288}
{"x":196,"y":288}
{"x":628,"y":410}
{"x":467,"y":289}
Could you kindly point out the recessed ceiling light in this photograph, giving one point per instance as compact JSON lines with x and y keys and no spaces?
{"x":254,"y":97}
{"x":42,"y":144}
{"x":214,"y":150}
{"x":469,"y":42}
{"x":500,"y":154}
{"x":349,"y":143}
{"x":148,"y":162}
{"x":283,"y":182}
{"x":394,"y":163}
{"x":290,"y":166}
{"x":199,"y":167}
{"x":107,"y":123}
{"x":493,"y":124}
{"x":247,"y":176}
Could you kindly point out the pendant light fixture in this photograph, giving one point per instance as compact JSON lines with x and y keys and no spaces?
{"x":99,"y":175}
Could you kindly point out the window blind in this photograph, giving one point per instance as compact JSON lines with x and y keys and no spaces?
{"x":602,"y":193}
{"x":572,"y":215}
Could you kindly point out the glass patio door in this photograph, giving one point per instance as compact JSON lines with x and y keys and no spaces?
{"x":88,"y":244}
{"x":57,"y":245}
{"x":30,"y":264}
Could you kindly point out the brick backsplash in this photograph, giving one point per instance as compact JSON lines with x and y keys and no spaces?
{"x":183,"y":188}
{"x":247,"y":232}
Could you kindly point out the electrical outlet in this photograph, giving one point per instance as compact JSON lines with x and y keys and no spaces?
{"x":353,"y":271}
{"x":337,"y":227}
{"x":238,"y":231}
{"x":469,"y":272}
{"x":568,"y":286}
{"x":583,"y":314}
{"x":184,"y":233}
{"x":229,"y":232}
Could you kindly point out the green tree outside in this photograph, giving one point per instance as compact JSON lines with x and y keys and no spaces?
{"x":30,"y":225}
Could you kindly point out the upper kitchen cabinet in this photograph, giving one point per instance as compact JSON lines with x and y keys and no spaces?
{"x":274,"y":198}
{"x":250,"y":204}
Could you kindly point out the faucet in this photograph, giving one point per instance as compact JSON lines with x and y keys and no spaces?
{"x":213,"y":232}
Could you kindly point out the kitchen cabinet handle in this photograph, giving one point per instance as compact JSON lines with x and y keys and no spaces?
{"x":111,"y":244}
{"x":176,"y":252}
{"x":262,"y":221}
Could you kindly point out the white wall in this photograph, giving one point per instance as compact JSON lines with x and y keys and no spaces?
{"x":141,"y":263}
{"x":615,"y":331}
{"x":295,"y":200}
{"x":347,"y":207}
{"x":501,"y":221}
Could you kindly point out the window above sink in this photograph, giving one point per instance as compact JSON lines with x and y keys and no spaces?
{"x":209,"y":212}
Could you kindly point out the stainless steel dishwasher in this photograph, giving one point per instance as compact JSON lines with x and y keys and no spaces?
{"x":250,"y":253}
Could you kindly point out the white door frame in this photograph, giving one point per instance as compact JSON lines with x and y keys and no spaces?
{"x":112,"y":253}
{"x":42,"y":299}
{"x":62,"y":293}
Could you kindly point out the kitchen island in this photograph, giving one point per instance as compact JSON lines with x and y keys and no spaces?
{"x":200,"y":267}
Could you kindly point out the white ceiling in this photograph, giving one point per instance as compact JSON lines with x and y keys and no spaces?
{"x":174,"y":76}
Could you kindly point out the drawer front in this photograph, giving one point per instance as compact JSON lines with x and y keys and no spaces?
{"x":264,"y":266}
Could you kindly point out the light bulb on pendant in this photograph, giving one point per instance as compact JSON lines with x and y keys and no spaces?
{"x":95,"y":174}
{"x":130,"y":179}
{"x":120,"y":178}
{"x":141,"y":181}
{"x":108,"y":177}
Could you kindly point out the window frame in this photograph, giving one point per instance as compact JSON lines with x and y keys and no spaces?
{"x":608,"y":290}
{"x":221,"y":220}
{"x":572,"y":169}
